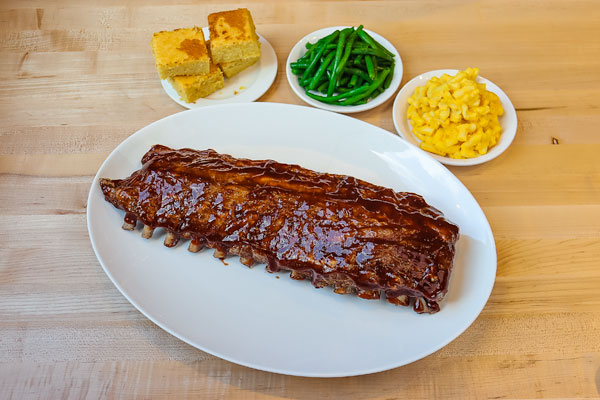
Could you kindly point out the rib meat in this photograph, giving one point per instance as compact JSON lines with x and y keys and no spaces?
{"x":331,"y":229}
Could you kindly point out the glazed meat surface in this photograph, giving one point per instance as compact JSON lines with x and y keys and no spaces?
{"x":334,"y":230}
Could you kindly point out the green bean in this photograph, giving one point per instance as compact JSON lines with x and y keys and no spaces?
{"x":373,"y":52}
{"x":359,"y":72}
{"x":312,"y":47}
{"x":337,"y":73}
{"x":297,"y":71}
{"x":373,"y":43}
{"x":321,"y":81}
{"x":323,"y":86}
{"x":298,"y":64}
{"x":332,"y":65}
{"x":310,"y":53}
{"x":306,"y":57}
{"x":353,"y":80}
{"x":361,"y":67}
{"x":347,"y":50}
{"x":370,"y":69}
{"x":320,"y":51}
{"x":334,"y":99}
{"x":388,"y":80}
{"x":327,"y":53}
{"x":358,"y":59}
{"x":303,"y":82}
{"x":375,"y":66}
{"x":315,"y":80}
{"x":313,"y":63}
{"x":326,"y":38}
{"x":329,"y":46}
{"x":371,"y":88}
{"x":338,"y":55}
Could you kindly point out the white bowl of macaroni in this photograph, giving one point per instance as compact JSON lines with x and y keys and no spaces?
{"x":471,"y":138}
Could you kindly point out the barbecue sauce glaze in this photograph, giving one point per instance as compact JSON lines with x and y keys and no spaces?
{"x":329,"y":226}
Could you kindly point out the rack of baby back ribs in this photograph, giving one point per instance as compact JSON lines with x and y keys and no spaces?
{"x":334,"y":230}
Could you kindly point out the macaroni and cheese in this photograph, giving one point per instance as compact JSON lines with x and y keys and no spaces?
{"x":455,"y":116}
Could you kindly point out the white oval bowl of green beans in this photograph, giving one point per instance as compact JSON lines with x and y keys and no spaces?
{"x":344,"y":69}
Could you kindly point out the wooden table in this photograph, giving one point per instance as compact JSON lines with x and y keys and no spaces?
{"x":77,"y":79}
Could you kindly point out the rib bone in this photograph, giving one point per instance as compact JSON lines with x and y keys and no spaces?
{"x":249,"y":262}
{"x":368,"y":294}
{"x":300,"y":276}
{"x":420,"y":305}
{"x":171,"y":239}
{"x":402,"y":300}
{"x":343,"y":290}
{"x":219,"y":253}
{"x":147,"y":232}
{"x":128,"y":226}
{"x":195,"y":246}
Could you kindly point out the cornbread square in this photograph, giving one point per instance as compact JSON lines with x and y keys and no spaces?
{"x":180,"y":52}
{"x":193,"y":87}
{"x":233,"y":36}
{"x":232,"y":68}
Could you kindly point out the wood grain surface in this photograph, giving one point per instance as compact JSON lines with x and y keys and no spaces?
{"x":77,"y":78}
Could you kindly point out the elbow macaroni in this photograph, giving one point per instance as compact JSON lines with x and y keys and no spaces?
{"x":455,"y":116}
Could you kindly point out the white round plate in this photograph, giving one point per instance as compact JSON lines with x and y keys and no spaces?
{"x":300,"y":48}
{"x":244,"y":87}
{"x":508,"y":120}
{"x":281,"y":325}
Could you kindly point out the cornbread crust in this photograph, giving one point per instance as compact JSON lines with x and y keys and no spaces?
{"x":192,"y":87}
{"x":233,"y":36}
{"x":180,"y":52}
{"x":232,"y":68}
